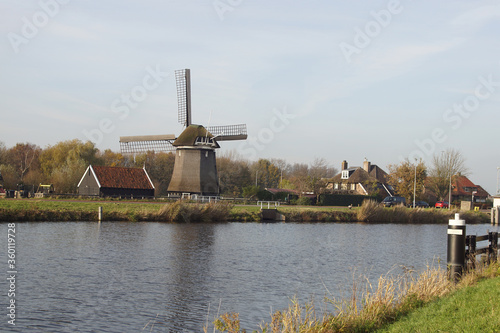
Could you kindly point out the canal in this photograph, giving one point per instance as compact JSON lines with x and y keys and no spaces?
{"x":160,"y":277}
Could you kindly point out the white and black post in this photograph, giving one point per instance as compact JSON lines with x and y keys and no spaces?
{"x":456,"y":248}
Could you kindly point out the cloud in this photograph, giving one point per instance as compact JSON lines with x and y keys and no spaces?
{"x":477,"y":17}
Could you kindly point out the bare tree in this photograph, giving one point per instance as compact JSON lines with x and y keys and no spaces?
{"x":22,"y":156}
{"x":445,"y":166}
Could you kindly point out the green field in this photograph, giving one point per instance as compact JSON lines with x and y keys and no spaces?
{"x":472,"y":309}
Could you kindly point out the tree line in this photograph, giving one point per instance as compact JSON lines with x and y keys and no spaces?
{"x":64,"y":163}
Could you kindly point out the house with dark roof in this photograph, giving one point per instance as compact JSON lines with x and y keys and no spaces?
{"x":116,"y":182}
{"x":367,"y":180}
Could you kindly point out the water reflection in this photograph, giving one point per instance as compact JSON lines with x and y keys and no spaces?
{"x":156,"y":277}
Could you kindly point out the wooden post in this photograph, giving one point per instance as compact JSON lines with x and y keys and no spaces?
{"x":99,"y":214}
{"x":472,"y":243}
{"x":493,"y":238}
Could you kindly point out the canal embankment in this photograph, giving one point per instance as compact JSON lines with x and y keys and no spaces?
{"x":17,"y":210}
{"x":426,"y":301}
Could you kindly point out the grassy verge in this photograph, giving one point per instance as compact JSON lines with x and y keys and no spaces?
{"x":373,"y":212}
{"x":472,"y":309}
{"x":47,"y":210}
{"x":86,"y":210}
{"x":395,"y":304}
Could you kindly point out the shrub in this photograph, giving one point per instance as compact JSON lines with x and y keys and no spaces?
{"x":304,"y":201}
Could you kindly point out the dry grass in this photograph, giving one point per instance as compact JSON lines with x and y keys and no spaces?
{"x":369,"y":307}
{"x":372,"y":211}
{"x":180,"y":211}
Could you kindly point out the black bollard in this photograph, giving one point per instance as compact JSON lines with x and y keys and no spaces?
{"x":456,"y":248}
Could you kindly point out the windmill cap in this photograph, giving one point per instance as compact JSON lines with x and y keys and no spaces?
{"x":189,"y":135}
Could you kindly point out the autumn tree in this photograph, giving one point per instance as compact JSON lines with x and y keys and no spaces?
{"x":407,"y":178}
{"x":64,"y":163}
{"x":267,"y":174}
{"x":234,"y":175}
{"x":298,"y":176}
{"x":160,"y":169}
{"x":445,"y":166}
{"x":112,"y":159}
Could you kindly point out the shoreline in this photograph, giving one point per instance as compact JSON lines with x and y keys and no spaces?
{"x":37,"y":210}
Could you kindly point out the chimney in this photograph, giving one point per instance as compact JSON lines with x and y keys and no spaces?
{"x":344,"y":165}
{"x":366,"y":165}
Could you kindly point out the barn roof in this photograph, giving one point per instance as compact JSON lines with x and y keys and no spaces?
{"x":120,"y":177}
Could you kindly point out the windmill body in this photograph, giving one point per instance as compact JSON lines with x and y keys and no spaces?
{"x":195,"y":169}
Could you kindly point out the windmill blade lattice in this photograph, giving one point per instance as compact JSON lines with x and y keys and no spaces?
{"x":228,"y":132}
{"x":183,"y":84}
{"x":145,"y":143}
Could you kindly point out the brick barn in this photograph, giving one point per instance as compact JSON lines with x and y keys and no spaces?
{"x":116,"y":182}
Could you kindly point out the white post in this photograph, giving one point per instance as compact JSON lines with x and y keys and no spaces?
{"x":99,"y":214}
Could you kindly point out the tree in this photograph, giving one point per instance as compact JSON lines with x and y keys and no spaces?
{"x":3,"y":153}
{"x":9,"y":175}
{"x":267,"y":174}
{"x":298,"y":177}
{"x":402,"y":177}
{"x":234,"y":175}
{"x":318,"y":172}
{"x":160,"y":169}
{"x":23,"y":157}
{"x":54,"y":157}
{"x":64,"y":163}
{"x":445,"y":166}
{"x":112,"y":159}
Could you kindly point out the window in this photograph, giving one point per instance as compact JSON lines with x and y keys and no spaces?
{"x":345,"y":174}
{"x":336,"y":186}
{"x":353,"y":187}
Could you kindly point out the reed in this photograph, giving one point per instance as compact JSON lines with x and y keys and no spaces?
{"x":373,"y":212}
{"x":369,"y":307}
{"x":182,"y":212}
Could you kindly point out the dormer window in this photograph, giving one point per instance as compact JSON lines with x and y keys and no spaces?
{"x":345,"y":174}
{"x":203,"y":140}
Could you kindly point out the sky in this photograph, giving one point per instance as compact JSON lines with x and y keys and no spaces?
{"x":339,"y":80}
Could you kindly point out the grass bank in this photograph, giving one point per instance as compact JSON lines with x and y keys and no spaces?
{"x":372,"y":212}
{"x":472,"y":309}
{"x":394,"y":304}
{"x":136,"y":211}
{"x":49,"y":210}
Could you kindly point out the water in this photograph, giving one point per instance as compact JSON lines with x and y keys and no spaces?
{"x":158,"y":277}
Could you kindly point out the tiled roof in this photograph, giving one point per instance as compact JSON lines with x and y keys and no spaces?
{"x":119,"y":177}
{"x":461,"y":183}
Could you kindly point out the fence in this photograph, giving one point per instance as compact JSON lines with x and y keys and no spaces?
{"x":472,"y":251}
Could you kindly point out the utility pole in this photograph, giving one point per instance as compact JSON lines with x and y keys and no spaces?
{"x":415,"y":184}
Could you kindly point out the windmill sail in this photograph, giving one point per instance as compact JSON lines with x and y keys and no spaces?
{"x":145,"y":143}
{"x":229,"y":132}
{"x":183,"y":83}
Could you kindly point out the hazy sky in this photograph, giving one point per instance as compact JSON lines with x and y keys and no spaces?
{"x":340,"y":80}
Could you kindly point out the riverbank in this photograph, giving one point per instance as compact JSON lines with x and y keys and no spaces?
{"x":17,"y":210}
{"x":426,"y":301}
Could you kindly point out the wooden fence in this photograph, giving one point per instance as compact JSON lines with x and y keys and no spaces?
{"x":472,"y":250}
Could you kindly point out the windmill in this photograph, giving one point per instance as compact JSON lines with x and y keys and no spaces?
{"x":195,"y":170}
